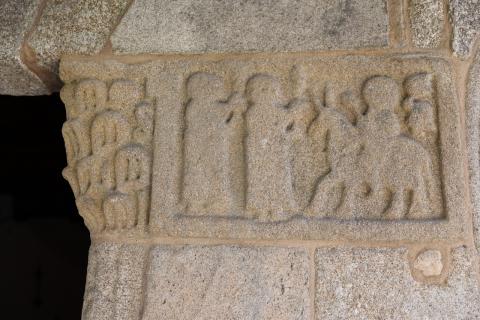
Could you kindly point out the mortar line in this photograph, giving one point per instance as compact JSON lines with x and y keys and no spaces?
{"x":447,"y":27}
{"x":145,"y":272}
{"x":408,"y":24}
{"x":108,"y":47}
{"x":462,"y":72}
{"x":28,"y":56}
{"x":178,"y":241}
{"x":396,"y":20}
{"x":145,"y":57}
{"x":313,"y":282}
{"x":464,"y":87}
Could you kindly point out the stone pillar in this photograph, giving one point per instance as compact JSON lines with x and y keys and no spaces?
{"x":295,"y":182}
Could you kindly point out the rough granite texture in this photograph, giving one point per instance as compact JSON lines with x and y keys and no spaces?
{"x":354,"y":283}
{"x":427,"y":21}
{"x":159,"y":26}
{"x":114,"y":286}
{"x":74,"y":27}
{"x":15,"y":20}
{"x":473,"y":142}
{"x":465,"y":19}
{"x":227,"y":282}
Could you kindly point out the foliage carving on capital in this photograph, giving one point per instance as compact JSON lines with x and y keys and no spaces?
{"x":108,"y":136}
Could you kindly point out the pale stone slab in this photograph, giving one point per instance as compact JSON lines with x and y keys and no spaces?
{"x":74,"y":27}
{"x":227,"y":282}
{"x":473,"y":141}
{"x":427,"y":19}
{"x":114,"y":288}
{"x":465,"y":19}
{"x":355,"y":283}
{"x":164,"y":26}
{"x":280,"y":147}
{"x":16,"y":17}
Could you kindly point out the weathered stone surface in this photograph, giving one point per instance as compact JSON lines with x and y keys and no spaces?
{"x":159,"y":26}
{"x":114,"y":288}
{"x":281,"y":147}
{"x":465,"y":19}
{"x":74,"y":27}
{"x":227,"y":282}
{"x":473,"y":142}
{"x":354,"y":283}
{"x":427,"y":19}
{"x":108,"y":137}
{"x":15,"y":20}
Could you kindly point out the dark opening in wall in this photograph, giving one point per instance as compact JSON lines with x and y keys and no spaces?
{"x":44,"y":242}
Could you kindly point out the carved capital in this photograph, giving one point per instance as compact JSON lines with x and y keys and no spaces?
{"x":108,"y":140}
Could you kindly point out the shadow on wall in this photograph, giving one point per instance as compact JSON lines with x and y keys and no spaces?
{"x":43,"y":241}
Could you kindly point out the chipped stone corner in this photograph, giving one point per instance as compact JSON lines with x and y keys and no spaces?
{"x":430,"y":264}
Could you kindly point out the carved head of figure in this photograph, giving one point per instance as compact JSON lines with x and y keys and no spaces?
{"x":419,"y":86}
{"x":264,"y":89}
{"x":206,"y":87}
{"x":381,"y":93}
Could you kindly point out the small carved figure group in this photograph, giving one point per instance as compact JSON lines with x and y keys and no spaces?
{"x":265,"y":156}
{"x":108,"y":141}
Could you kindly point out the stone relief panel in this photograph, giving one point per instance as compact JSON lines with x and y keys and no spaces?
{"x":310,"y":147}
{"x":263,"y":155}
{"x":108,"y":139}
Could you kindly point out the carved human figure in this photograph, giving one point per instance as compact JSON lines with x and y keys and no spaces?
{"x":337,"y":193}
{"x":303,"y":154}
{"x":85,"y":99}
{"x":90,"y":97}
{"x":120,"y":211}
{"x":306,"y":157}
{"x":213,"y":154}
{"x":132,"y":168}
{"x":73,"y":132}
{"x":128,"y":205}
{"x":110,"y":130}
{"x":270,"y":194}
{"x":143,"y":132}
{"x":398,"y":168}
{"x":419,"y":108}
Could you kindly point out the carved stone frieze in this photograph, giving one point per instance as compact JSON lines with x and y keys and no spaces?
{"x":310,"y":147}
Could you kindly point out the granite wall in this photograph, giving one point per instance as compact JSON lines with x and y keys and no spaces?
{"x":265,"y":159}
